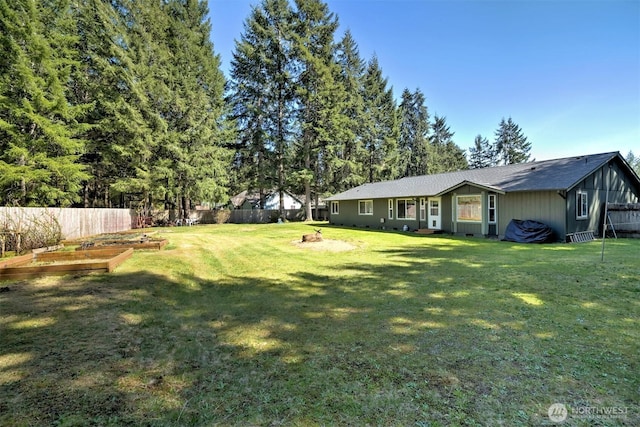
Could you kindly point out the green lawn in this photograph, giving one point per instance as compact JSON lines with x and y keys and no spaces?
{"x":241,"y":325}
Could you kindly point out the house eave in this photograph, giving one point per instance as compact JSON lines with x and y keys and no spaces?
{"x":473,"y":184}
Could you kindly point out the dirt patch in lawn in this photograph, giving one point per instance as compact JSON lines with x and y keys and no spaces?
{"x":326,"y":245}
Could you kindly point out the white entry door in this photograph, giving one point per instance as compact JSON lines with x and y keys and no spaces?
{"x":435,"y":214}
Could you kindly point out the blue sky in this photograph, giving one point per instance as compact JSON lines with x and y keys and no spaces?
{"x":567,"y":72}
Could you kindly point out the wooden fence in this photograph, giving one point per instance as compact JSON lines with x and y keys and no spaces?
{"x":221,"y":216}
{"x":75,"y":222}
{"x":625,"y":218}
{"x":263,"y":216}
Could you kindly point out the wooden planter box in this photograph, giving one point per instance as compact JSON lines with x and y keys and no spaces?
{"x":78,"y":262}
{"x":149,"y":245}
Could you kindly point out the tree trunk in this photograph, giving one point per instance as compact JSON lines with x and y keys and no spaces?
{"x":185,"y":207}
{"x":86,"y":195}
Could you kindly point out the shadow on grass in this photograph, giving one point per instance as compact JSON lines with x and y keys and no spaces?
{"x":420,"y":338}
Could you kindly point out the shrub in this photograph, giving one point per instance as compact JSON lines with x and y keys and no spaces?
{"x":23,"y":234}
{"x":222,"y":216}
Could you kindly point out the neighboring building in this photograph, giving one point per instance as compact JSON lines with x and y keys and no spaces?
{"x":251,"y":200}
{"x":567,"y":194}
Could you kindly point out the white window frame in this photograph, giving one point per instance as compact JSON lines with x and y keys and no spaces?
{"x":582,"y":205}
{"x":492,"y":207}
{"x":390,"y":203}
{"x":335,"y":208}
{"x":412,"y":201}
{"x":365,"y":204}
{"x":459,"y":209}
{"x":423,"y":209}
{"x":434,"y":207}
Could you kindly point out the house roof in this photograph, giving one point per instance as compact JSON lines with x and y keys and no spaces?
{"x":546,"y":175}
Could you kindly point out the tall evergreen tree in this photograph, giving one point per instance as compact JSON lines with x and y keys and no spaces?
{"x":39,"y":143}
{"x":348,"y":154}
{"x":253,"y":160}
{"x":482,"y":154}
{"x":414,"y":130}
{"x":320,"y":96}
{"x":511,"y":145}
{"x":445,"y":155}
{"x":120,"y":127}
{"x":262,"y":77}
{"x":380,"y":121}
{"x":196,"y":113}
{"x":143,"y":151}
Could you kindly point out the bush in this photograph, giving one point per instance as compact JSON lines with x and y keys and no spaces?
{"x":222,"y":216}
{"x":24,"y":234}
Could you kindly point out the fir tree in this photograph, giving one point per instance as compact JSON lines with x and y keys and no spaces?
{"x":319,"y":96}
{"x":195,"y":118}
{"x":634,"y":161}
{"x":482,"y":154}
{"x":39,"y":143}
{"x":119,"y":131}
{"x":414,"y":129}
{"x":262,"y":74}
{"x":380,"y":125}
{"x":141,"y":146}
{"x":349,"y":154}
{"x":511,"y":145}
{"x":445,"y":155}
{"x":253,"y":160}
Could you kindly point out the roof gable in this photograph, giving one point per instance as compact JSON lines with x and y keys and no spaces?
{"x":546,"y":175}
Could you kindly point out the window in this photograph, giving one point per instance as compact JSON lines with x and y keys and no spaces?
{"x":469,"y":208}
{"x":582,"y":205}
{"x":434,"y":207}
{"x":390,"y":208}
{"x":406,"y":209}
{"x":335,"y":208}
{"x":365,"y":207}
{"x":423,"y":210}
{"x":492,"y":208}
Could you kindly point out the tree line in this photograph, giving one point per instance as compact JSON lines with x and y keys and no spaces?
{"x":107,"y":102}
{"x":121,"y":102}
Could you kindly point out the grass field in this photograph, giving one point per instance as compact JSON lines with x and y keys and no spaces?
{"x":242,"y":325}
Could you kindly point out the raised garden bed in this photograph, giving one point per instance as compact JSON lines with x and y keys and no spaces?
{"x":148,"y":245}
{"x":59,"y":263}
{"x":131,"y":239}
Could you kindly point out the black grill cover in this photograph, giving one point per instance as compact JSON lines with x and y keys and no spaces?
{"x":528,"y":231}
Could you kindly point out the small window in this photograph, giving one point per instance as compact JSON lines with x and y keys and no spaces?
{"x":469,"y":208}
{"x":492,"y":208}
{"x":423,"y":210}
{"x":335,"y":208}
{"x":434,"y":207}
{"x":582,"y":205}
{"x":406,"y":209}
{"x":390,"y":208}
{"x":365,"y":207}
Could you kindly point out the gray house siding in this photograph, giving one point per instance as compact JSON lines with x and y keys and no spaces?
{"x":544,"y":206}
{"x":620,"y":187}
{"x":349,"y":215}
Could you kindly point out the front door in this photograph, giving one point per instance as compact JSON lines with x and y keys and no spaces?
{"x":434,"y":219}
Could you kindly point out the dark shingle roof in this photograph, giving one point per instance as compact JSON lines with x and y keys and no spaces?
{"x":545,"y":175}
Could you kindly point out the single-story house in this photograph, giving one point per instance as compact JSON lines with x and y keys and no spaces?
{"x":251,"y":200}
{"x":568,"y":194}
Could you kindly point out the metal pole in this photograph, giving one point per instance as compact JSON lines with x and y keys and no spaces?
{"x":604,"y":223}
